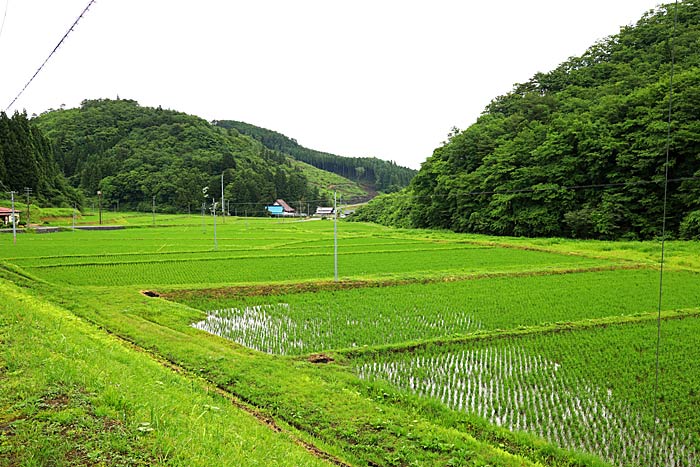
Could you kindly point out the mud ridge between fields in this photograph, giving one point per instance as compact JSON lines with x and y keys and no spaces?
{"x":325,"y":286}
{"x":496,"y":334}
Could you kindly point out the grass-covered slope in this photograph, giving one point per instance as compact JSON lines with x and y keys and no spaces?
{"x":71,"y":394}
{"x":578,"y":151}
{"x":377,"y":174}
{"x":328,"y":182}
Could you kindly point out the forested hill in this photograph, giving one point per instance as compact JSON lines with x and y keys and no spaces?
{"x":579,"y":151}
{"x":377,"y":174}
{"x":27,"y":165}
{"x":140,"y":155}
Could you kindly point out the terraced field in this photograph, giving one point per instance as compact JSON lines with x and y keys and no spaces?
{"x":587,"y":389}
{"x":440,"y":349}
{"x":281,"y":252}
{"x":369,"y":316}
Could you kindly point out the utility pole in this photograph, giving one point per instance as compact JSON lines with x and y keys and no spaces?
{"x":28,"y":191}
{"x":335,"y":235}
{"x":74,"y":208}
{"x":223,"y":203}
{"x":204,"y":206}
{"x":213,"y":209}
{"x":154,"y":210}
{"x":14,"y":219}
{"x":99,"y":203}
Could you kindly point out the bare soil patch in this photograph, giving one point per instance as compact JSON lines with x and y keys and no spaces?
{"x":320,"y":358}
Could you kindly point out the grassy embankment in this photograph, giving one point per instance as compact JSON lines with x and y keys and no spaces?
{"x":363,"y":423}
{"x":71,"y":394}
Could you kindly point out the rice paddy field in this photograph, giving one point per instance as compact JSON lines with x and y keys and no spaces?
{"x":432,"y":348}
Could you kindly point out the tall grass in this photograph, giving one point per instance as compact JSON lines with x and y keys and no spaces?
{"x":72,"y":395}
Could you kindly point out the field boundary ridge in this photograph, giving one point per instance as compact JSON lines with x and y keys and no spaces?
{"x":288,"y":288}
{"x":548,"y":328}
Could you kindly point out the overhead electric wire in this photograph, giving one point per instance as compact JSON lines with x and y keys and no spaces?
{"x":505,"y":192}
{"x":4,"y":17}
{"x":663,"y":231}
{"x":51,"y":54}
{"x":594,"y":186}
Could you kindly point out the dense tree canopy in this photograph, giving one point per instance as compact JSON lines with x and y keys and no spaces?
{"x":137,"y":155}
{"x":579,"y":151}
{"x":379,"y":175}
{"x":27,"y":162}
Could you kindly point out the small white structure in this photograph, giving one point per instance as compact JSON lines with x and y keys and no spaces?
{"x":322,"y":211}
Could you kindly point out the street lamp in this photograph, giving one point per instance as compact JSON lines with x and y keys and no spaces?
{"x":335,"y":235}
{"x":99,"y":204}
{"x":335,"y":229}
{"x":204,"y":206}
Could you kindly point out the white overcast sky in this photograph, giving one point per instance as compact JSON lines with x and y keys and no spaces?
{"x":383,"y":78}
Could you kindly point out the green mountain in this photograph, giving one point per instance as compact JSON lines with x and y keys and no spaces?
{"x":27,"y":164}
{"x":140,"y":155}
{"x":376,"y":174}
{"x":579,"y":151}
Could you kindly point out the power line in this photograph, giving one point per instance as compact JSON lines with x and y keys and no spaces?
{"x":4,"y":17}
{"x":595,"y":186}
{"x":579,"y":187}
{"x":663,"y":227}
{"x":51,"y":54}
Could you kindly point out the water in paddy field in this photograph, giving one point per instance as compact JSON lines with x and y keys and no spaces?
{"x":258,"y":328}
{"x":282,"y":329}
{"x":524,"y":392}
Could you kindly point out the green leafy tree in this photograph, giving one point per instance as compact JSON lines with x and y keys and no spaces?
{"x":27,"y":161}
{"x":578,"y":151}
{"x":134,"y":153}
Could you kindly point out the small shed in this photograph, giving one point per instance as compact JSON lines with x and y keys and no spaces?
{"x":322,"y":211}
{"x":6,"y":216}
